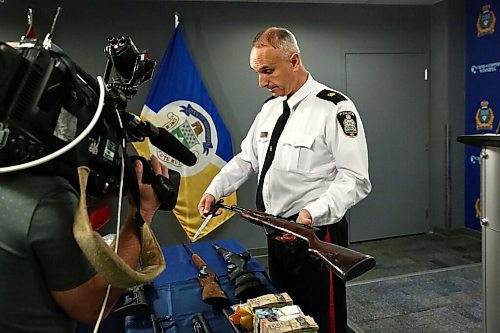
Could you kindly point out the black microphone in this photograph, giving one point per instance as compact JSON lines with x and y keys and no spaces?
{"x":170,"y":145}
{"x":160,"y":138}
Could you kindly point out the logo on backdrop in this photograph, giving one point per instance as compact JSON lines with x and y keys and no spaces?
{"x":190,"y":124}
{"x":475,"y":159}
{"x":484,"y":117}
{"x":485,"y":22}
{"x":485,"y":68}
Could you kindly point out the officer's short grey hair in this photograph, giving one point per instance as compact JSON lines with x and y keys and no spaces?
{"x":281,"y":39}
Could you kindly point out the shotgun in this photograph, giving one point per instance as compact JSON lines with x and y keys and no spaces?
{"x":347,"y":264}
{"x":212,"y":292}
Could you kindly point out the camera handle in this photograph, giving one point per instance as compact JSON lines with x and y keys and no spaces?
{"x":166,"y":189}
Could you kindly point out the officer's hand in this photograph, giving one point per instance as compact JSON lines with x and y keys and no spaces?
{"x":149,"y":200}
{"x":206,"y":204}
{"x":304,"y":217}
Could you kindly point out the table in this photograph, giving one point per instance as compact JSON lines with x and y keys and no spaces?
{"x":176,"y":292}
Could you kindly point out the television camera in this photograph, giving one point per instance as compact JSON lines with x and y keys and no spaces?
{"x":48,"y":103}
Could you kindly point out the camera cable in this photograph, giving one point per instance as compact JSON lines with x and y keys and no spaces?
{"x":118,"y":222}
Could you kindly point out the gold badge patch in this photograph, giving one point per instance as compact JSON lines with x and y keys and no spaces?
{"x":484,"y":117}
{"x":486,"y":21}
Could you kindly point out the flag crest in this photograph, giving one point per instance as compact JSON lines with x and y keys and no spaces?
{"x":179,"y":102}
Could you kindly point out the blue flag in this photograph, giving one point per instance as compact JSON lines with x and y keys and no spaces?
{"x":179,"y":102}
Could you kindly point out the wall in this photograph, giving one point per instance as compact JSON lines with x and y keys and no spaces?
{"x":438,"y":113}
{"x":219,"y":35}
{"x":456,"y":109}
{"x":447,"y":112}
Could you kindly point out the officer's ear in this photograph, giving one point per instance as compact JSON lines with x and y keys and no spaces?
{"x":295,"y":61}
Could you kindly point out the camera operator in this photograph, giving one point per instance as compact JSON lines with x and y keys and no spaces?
{"x":47,"y":283}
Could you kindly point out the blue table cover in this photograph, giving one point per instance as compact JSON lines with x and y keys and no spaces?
{"x":181,"y":268}
{"x":177,"y":293}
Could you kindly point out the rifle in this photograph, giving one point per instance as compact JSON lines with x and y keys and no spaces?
{"x":136,"y":304}
{"x":347,"y":264}
{"x":212,"y":292}
{"x":246,"y":284}
{"x":200,"y":324}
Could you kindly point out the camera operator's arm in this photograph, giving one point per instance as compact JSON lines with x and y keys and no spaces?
{"x":83,"y":303}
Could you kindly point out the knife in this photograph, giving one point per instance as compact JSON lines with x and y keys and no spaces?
{"x":202,"y":226}
{"x":207,"y":219}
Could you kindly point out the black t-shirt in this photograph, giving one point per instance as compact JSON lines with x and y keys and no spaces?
{"x":38,"y":252}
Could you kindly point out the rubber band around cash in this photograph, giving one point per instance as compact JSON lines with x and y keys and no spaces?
{"x":102,"y":257}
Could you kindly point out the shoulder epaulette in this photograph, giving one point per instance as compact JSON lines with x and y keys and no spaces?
{"x":270,"y":98}
{"x":331,"y":96}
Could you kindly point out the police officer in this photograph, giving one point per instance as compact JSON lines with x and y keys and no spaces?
{"x":308,"y":146}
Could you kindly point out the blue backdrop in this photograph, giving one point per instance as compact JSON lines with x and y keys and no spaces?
{"x":482,"y":91}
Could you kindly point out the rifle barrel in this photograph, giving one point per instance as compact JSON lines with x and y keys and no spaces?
{"x":232,"y":208}
{"x":216,"y":246}
{"x":261,"y":220}
{"x":188,"y":249}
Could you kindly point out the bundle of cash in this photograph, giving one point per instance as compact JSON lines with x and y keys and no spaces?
{"x":302,"y":324}
{"x":265,"y":315}
{"x":270,"y":301}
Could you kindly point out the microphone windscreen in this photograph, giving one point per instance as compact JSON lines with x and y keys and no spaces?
{"x":173,"y":147}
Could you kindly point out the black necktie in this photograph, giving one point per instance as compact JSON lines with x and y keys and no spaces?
{"x":278,"y":128}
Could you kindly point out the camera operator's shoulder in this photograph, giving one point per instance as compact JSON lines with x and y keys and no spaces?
{"x":36,"y":193}
{"x":57,"y":184}
{"x":38,"y":185}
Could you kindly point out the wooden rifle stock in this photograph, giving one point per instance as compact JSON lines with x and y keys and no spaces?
{"x":212,"y":292}
{"x":347,"y":264}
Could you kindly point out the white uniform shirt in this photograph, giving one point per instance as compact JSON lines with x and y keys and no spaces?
{"x":317,"y":165}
